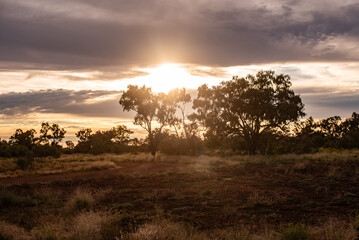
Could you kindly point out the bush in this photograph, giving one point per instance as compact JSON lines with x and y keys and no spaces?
{"x":18,"y":150}
{"x":119,"y":225}
{"x":5,"y":150}
{"x":82,"y":200}
{"x":173,"y":145}
{"x":295,"y":232}
{"x":25,"y":162}
{"x":46,"y":151}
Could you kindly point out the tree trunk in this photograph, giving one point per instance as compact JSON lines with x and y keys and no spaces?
{"x":153,"y":148}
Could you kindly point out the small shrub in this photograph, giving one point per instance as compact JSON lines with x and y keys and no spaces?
{"x":120,"y":225}
{"x":82,"y":200}
{"x":295,"y":232}
{"x":25,"y":162}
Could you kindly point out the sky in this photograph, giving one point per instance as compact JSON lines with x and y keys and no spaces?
{"x":67,"y":61}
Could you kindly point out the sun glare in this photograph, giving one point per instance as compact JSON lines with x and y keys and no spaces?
{"x":166,"y":77}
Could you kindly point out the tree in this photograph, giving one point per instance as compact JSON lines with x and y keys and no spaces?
{"x":52,"y":133}
{"x":331,"y":130}
{"x":84,"y":134}
{"x":248,"y":108}
{"x":114,"y":140}
{"x":151,"y":108}
{"x":26,"y":138}
{"x":309,"y":136}
{"x":350,"y":131}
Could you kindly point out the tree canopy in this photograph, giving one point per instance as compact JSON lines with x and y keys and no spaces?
{"x":153,"y":111}
{"x":248,"y":108}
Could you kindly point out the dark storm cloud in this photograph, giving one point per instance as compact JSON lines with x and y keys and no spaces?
{"x":84,"y":103}
{"x":92,"y":34}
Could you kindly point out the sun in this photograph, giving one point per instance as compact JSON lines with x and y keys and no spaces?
{"x":167,"y":76}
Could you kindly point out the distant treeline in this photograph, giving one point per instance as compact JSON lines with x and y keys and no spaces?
{"x":252,"y":115}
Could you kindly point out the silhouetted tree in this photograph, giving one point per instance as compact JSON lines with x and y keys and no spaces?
{"x":331,"y":129}
{"x":249,"y":107}
{"x":111,"y":141}
{"x":52,"y":133}
{"x":70,"y":145}
{"x":350,"y":131}
{"x":309,"y":137}
{"x":84,"y":134}
{"x":22,"y":138}
{"x":152,"y":108}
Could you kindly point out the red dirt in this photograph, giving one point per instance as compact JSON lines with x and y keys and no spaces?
{"x":126,"y":168}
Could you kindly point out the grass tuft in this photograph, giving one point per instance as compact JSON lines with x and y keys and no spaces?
{"x":81,"y":200}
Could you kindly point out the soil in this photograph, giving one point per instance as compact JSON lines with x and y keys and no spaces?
{"x":126,"y":168}
{"x":217,"y":196}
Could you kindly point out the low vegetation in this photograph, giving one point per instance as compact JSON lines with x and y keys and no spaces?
{"x":310,"y":196}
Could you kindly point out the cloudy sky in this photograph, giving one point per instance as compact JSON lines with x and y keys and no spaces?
{"x":66,"y":61}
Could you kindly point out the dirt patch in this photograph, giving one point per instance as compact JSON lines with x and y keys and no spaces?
{"x":126,"y":168}
{"x":216,"y":196}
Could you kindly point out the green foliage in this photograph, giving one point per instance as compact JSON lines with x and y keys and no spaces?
{"x":248,"y":107}
{"x":295,"y":232}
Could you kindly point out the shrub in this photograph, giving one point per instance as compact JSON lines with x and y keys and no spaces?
{"x":117,"y":226}
{"x":82,"y":200}
{"x":18,"y":150}
{"x":46,"y":151}
{"x":25,"y":162}
{"x":5,"y":149}
{"x":173,"y":145}
{"x":295,"y":232}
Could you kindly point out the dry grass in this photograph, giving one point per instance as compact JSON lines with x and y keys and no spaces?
{"x":164,"y":229}
{"x":54,"y":166}
{"x":81,"y":200}
{"x":202,"y":163}
{"x":258,"y":198}
{"x":335,"y":230}
{"x":12,"y":232}
{"x":86,"y":226}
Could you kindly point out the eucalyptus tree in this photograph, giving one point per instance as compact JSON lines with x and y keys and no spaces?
{"x":154,"y":111}
{"x":249,"y":108}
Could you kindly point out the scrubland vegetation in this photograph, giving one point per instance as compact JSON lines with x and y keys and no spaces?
{"x":308,"y":196}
